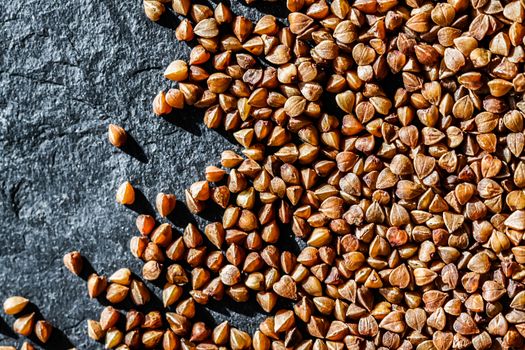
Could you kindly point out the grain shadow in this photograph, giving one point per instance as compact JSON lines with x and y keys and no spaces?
{"x":6,"y":330}
{"x":87,"y":269}
{"x":276,"y":8}
{"x":141,"y":204}
{"x":228,"y":136}
{"x":133,"y":149}
{"x":58,"y":341}
{"x":181,"y":216}
{"x":169,"y":19}
{"x":188,"y":119}
{"x":212,"y":212}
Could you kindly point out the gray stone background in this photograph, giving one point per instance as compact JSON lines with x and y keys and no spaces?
{"x":67,"y":70}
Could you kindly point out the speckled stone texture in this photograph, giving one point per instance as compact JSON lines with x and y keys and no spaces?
{"x":67,"y":70}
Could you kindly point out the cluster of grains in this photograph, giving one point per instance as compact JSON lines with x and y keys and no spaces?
{"x":410,"y":196}
{"x":26,"y":324}
{"x":149,"y":331}
{"x":408,"y":191}
{"x":173,"y":326}
{"x":154,"y":9}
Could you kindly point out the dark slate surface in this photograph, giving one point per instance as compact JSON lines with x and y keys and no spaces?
{"x":68,"y":69}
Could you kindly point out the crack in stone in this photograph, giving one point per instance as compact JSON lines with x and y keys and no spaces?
{"x":36,"y":80}
{"x":73,"y":326}
{"x":142,"y":70}
{"x":15,"y":202}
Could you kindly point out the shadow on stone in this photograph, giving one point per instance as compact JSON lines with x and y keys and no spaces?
{"x":276,"y":8}
{"x":227,"y":135}
{"x":287,"y":239}
{"x":133,"y":149}
{"x":226,"y":306}
{"x":87,"y":269}
{"x":58,"y":341}
{"x":103,"y":301}
{"x":212,"y":212}
{"x":141,"y":204}
{"x":206,"y":317}
{"x":188,"y":119}
{"x":6,"y":330}
{"x":245,"y":316}
{"x":181,"y":216}
{"x":169,"y":19}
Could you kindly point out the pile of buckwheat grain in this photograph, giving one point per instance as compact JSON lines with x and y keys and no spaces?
{"x":409,"y":195}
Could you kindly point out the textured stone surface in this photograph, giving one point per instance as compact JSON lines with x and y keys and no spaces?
{"x":67,"y":69}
